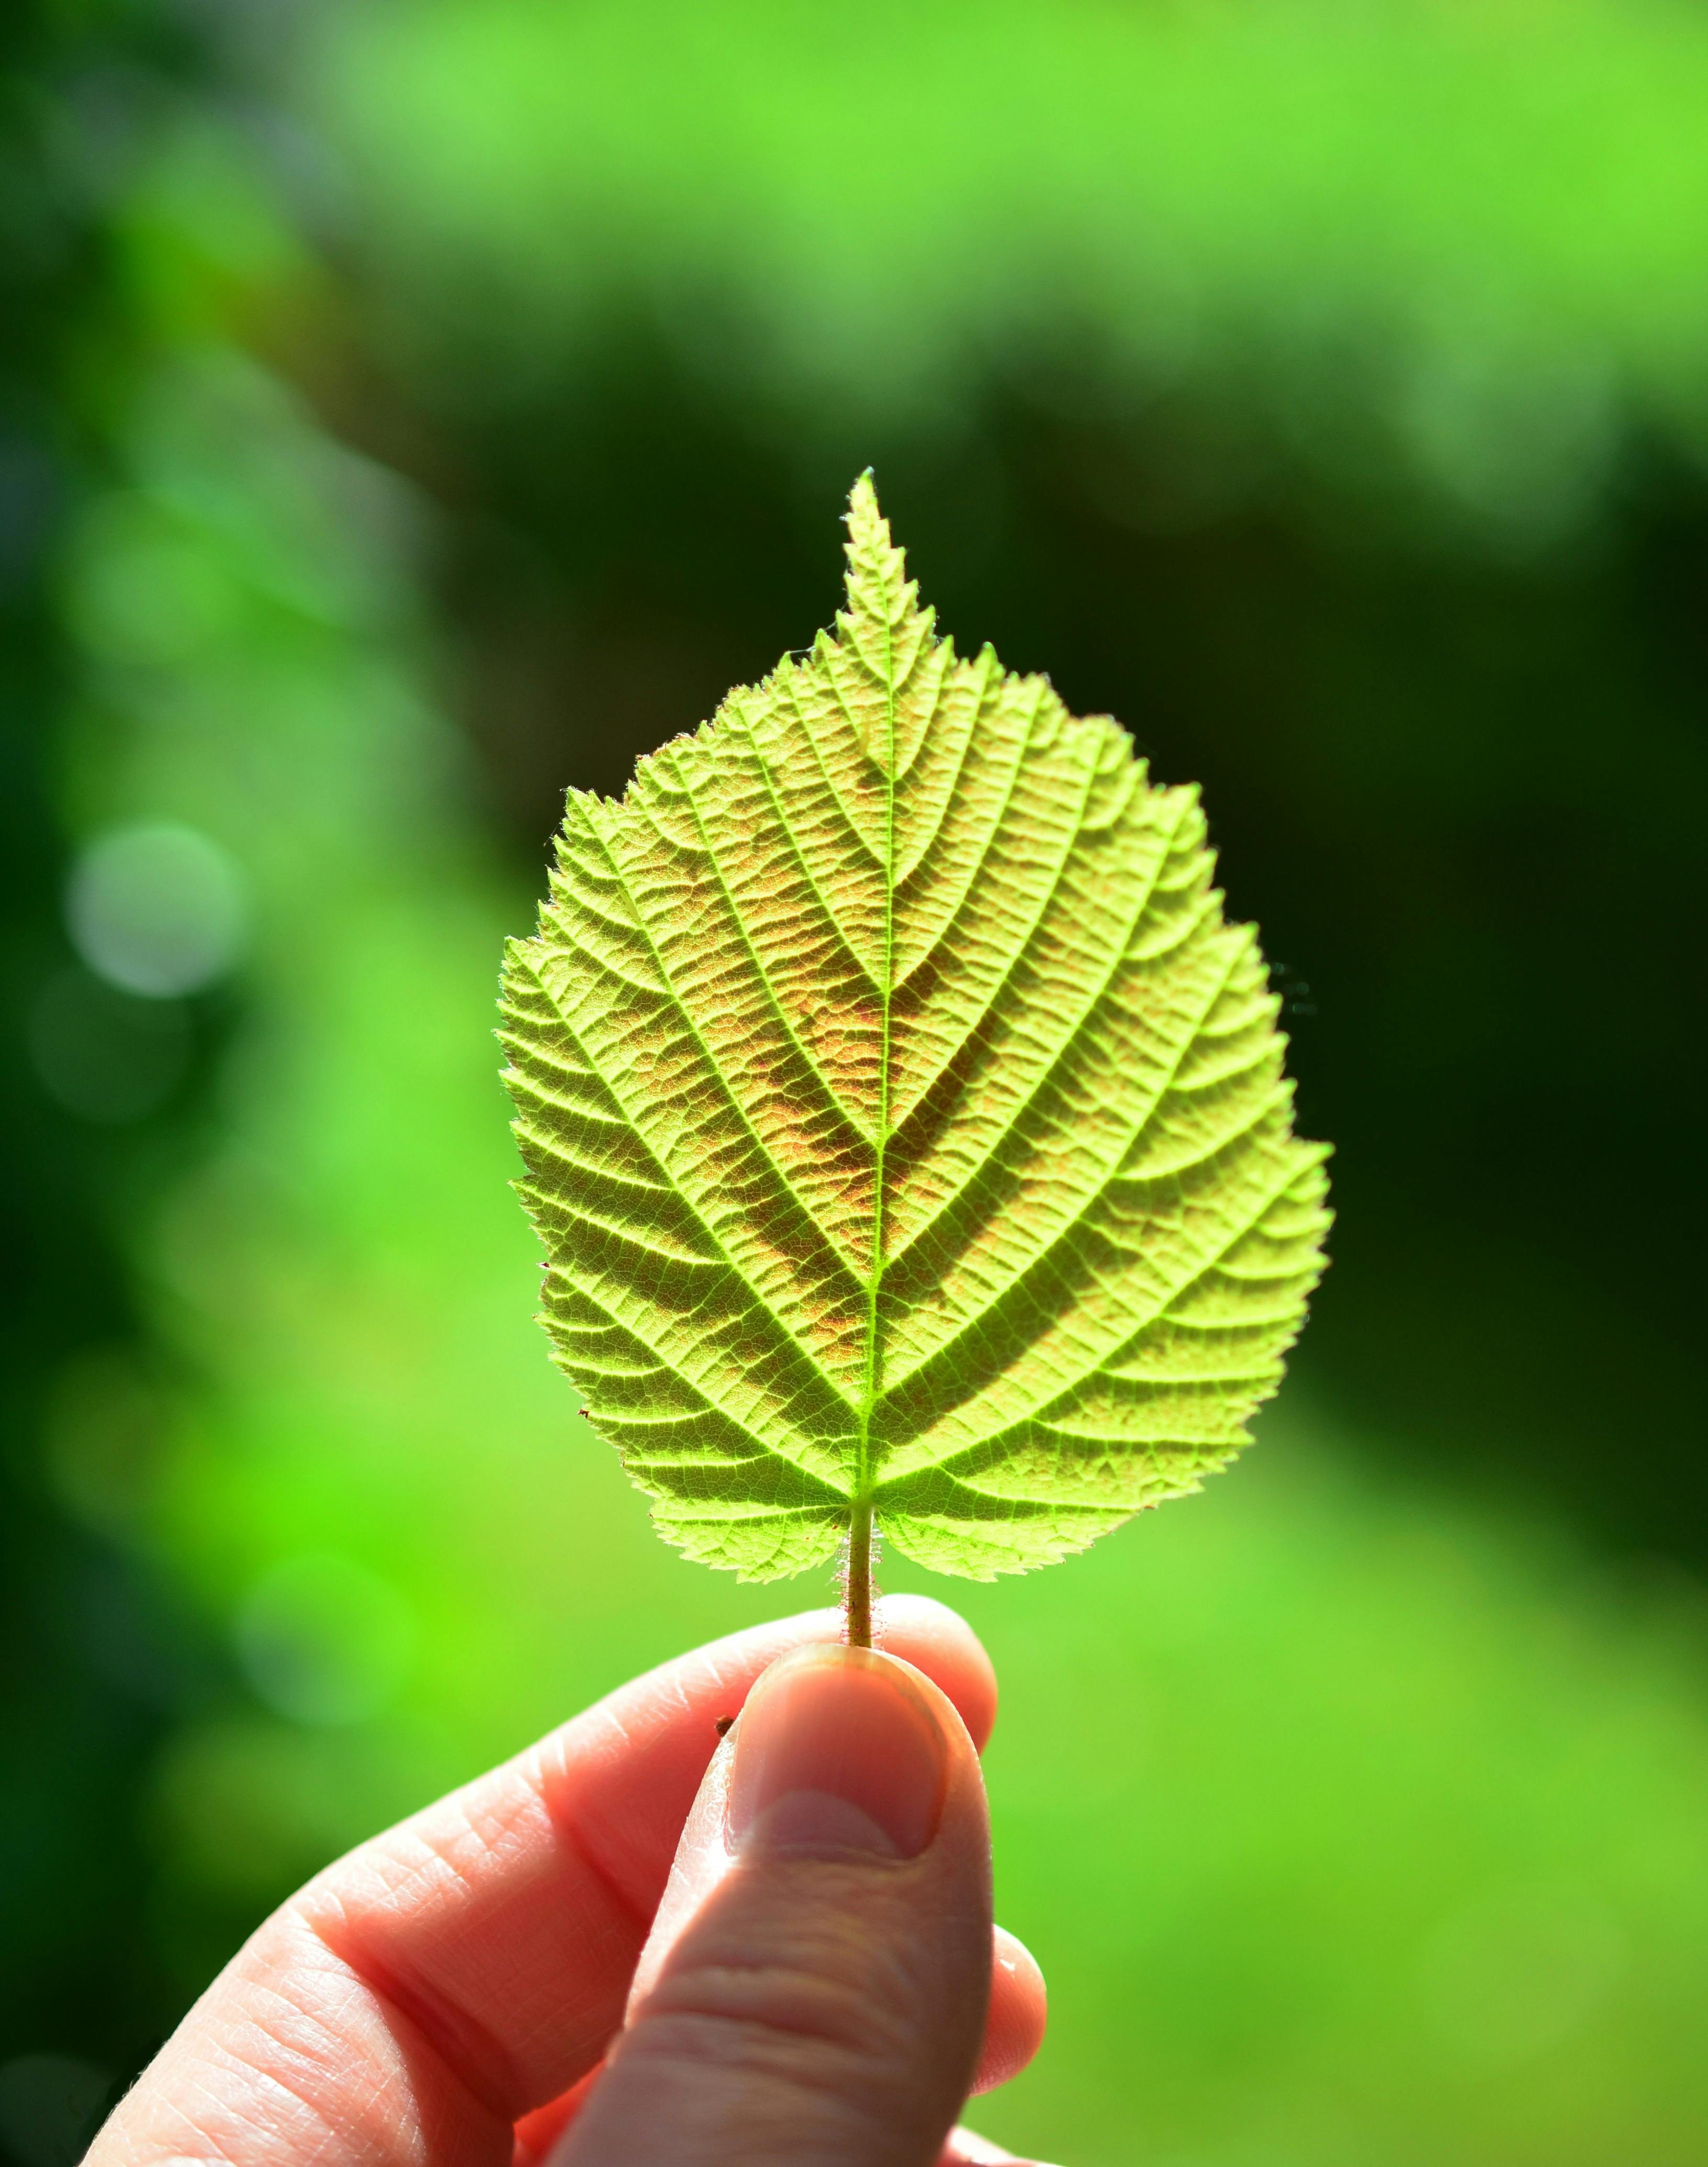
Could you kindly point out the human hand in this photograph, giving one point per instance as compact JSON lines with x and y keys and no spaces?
{"x":818,"y":1990}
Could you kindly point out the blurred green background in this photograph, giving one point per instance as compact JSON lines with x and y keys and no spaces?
{"x":408,"y":409}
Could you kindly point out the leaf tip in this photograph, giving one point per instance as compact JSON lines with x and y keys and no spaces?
{"x":867,"y":528}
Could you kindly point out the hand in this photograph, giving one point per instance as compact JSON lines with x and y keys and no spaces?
{"x":818,"y":1990}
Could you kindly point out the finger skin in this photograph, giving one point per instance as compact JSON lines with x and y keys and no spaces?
{"x":1014,"y":2033}
{"x":429,"y":1990}
{"x":1019,"y":2009}
{"x":536,"y":2137}
{"x":824,"y":2004}
{"x":537,"y":2132}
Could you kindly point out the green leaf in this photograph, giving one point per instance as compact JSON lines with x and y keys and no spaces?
{"x":904,"y":1123}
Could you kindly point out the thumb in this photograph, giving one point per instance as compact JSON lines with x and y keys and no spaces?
{"x":814,"y":1993}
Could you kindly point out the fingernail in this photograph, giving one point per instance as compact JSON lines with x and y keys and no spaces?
{"x":837,"y":1749}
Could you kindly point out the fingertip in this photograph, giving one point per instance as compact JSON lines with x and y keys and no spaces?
{"x":1019,"y":2011}
{"x":829,"y":1732}
{"x":940,"y":1642}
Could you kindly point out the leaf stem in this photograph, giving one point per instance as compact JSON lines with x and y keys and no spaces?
{"x":857,"y":1588}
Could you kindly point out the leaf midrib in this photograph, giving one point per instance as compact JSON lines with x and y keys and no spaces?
{"x":864,"y":1483}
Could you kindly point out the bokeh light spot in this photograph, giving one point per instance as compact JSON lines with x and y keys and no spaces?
{"x":158,"y":909}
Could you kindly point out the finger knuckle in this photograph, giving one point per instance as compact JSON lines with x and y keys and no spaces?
{"x":835,"y":2021}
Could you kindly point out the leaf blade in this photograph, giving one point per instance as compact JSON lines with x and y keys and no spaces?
{"x":904,"y":1123}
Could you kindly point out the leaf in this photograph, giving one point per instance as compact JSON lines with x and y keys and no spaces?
{"x":904,"y":1123}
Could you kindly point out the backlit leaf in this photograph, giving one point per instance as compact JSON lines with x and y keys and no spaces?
{"x":905,"y":1124}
